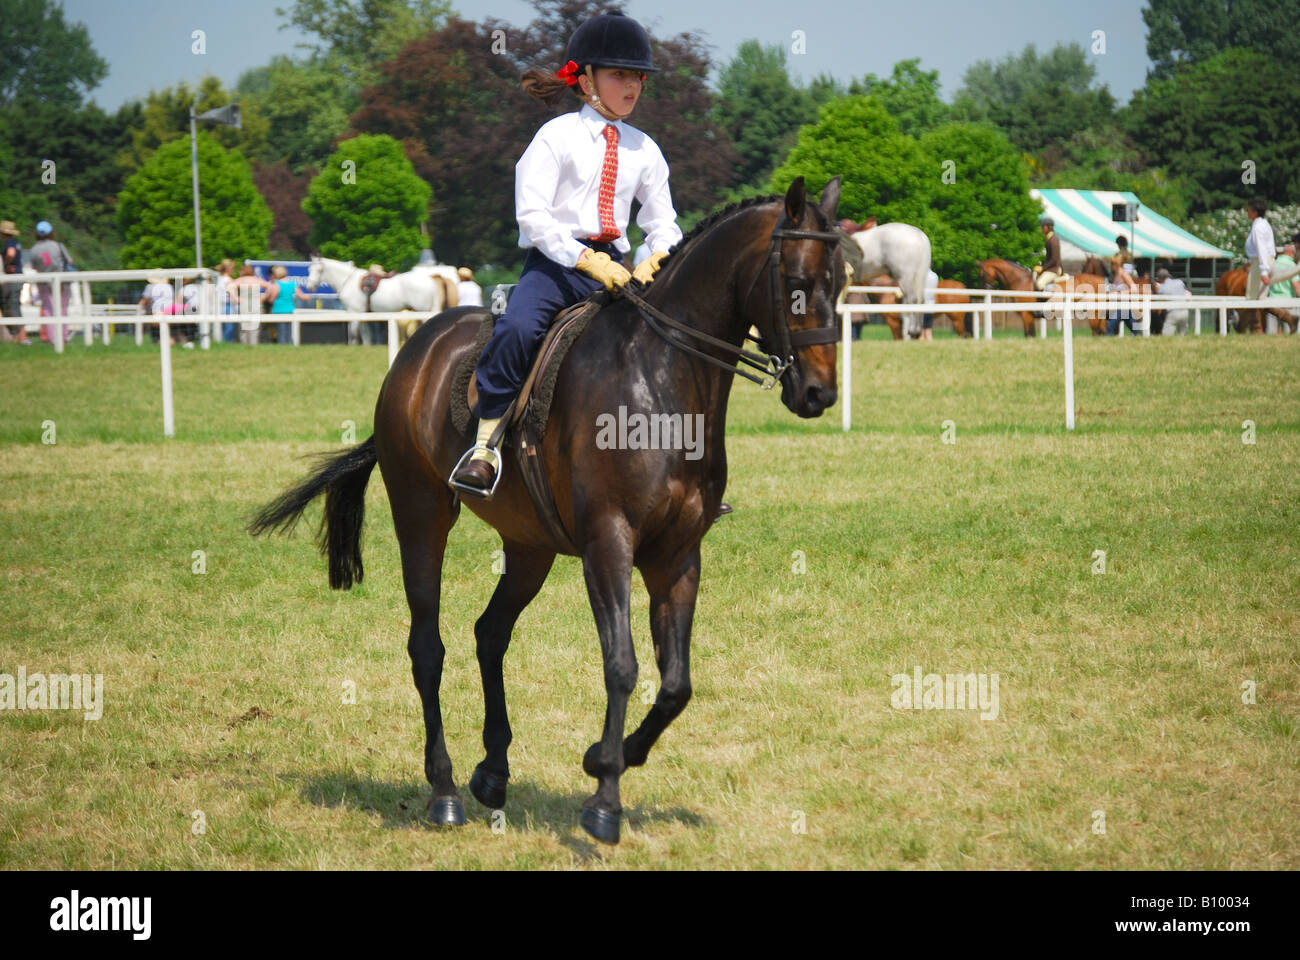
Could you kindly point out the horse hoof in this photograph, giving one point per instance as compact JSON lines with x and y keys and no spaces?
{"x":601,"y":824}
{"x":446,"y":812}
{"x":488,"y":788}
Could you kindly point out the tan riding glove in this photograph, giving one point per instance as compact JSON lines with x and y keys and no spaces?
{"x":600,"y":267}
{"x":647,"y":268}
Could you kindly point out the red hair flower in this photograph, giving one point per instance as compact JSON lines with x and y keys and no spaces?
{"x":568,"y":73}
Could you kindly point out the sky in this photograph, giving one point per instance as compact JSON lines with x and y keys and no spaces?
{"x":148,"y":43}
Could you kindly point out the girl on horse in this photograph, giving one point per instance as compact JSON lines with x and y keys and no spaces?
{"x":574,"y":188}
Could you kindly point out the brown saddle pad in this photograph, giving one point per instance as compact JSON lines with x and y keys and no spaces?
{"x":534,"y":403}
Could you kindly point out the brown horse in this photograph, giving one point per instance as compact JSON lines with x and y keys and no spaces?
{"x":772,"y":262}
{"x":1095,"y":266}
{"x":1010,"y":276}
{"x":895,"y":322}
{"x":958,"y":317}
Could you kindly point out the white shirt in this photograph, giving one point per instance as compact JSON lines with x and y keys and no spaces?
{"x":557,"y":187}
{"x":469,"y":294}
{"x":931,"y":286}
{"x":160,"y":297}
{"x":1259,"y":244}
{"x":1173,"y":287}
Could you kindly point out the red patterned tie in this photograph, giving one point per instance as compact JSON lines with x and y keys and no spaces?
{"x":608,"y":177}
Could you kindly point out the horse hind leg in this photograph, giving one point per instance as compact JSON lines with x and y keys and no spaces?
{"x":672,"y":589}
{"x":525,"y":571}
{"x":423,"y":517}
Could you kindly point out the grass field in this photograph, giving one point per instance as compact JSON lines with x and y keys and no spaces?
{"x":850,"y":559}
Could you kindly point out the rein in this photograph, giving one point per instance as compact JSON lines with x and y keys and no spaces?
{"x":772,"y":366}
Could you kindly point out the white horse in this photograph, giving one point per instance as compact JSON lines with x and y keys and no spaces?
{"x":902,"y":251}
{"x":411,"y":290}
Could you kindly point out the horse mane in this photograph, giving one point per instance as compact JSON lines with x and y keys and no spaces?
{"x":678,"y":249}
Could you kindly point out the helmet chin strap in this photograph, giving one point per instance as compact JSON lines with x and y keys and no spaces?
{"x":594,"y":99}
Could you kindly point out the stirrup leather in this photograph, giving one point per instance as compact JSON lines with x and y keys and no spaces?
{"x":473,"y":491}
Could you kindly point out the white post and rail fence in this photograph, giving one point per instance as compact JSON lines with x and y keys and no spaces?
{"x":208,"y":319}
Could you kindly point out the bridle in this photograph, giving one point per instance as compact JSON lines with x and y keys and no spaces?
{"x":772,"y":366}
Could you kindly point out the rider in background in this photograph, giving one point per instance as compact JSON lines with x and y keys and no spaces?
{"x":574,"y":188}
{"x":1051,"y":269}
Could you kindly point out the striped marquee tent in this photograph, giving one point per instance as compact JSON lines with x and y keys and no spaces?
{"x":1083,"y":222}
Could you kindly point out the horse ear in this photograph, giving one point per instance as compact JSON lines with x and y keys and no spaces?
{"x":794,"y":200}
{"x":831,"y":197}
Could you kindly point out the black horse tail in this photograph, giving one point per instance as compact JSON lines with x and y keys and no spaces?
{"x":342,"y":478}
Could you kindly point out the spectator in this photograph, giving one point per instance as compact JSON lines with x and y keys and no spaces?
{"x":246,"y":292}
{"x":157,"y":299}
{"x":1175,"y":320}
{"x":1260,"y":250}
{"x":49,"y":256}
{"x":281,"y":296}
{"x":1284,"y":286}
{"x":225,"y":305}
{"x":11,"y":294}
{"x":471,"y":294}
{"x":1122,"y":282}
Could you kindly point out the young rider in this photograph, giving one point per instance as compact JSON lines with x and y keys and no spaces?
{"x":574,"y":188}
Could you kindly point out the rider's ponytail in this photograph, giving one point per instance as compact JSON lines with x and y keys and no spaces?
{"x":546,"y":86}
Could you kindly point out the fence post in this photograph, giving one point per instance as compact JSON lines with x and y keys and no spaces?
{"x":846,"y":358}
{"x":1146,"y":315}
{"x":165,"y":343}
{"x":1223,"y":320}
{"x":392,"y":340}
{"x":56,"y":309}
{"x":1067,"y":329}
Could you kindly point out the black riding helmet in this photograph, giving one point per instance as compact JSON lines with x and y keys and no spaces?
{"x":611,"y":40}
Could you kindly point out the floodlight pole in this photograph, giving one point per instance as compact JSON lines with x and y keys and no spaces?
{"x":194,"y":177}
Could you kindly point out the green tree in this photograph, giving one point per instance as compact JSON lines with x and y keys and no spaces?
{"x":165,"y":116}
{"x":44,"y":57}
{"x":156,"y":212}
{"x":367,"y":204}
{"x":359,"y":35}
{"x":760,"y":109}
{"x":1181,"y":32}
{"x":1036,"y":100}
{"x":1227,"y":125}
{"x":981,"y":207}
{"x":911,"y":95}
{"x":59,"y":164}
{"x":1106,"y":157}
{"x":885,"y":172}
{"x":306,"y":106}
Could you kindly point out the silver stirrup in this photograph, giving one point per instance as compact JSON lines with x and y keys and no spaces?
{"x":478,"y":492}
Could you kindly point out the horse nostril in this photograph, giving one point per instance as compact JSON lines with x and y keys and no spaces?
{"x":819,"y":398}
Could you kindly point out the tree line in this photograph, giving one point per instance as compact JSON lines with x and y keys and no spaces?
{"x":400,"y":126}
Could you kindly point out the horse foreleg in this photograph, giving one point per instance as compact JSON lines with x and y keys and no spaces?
{"x":607,"y":567}
{"x":673,"y":589}
{"x":524,"y":573}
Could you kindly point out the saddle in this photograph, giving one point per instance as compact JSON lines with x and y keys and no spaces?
{"x":524,"y":422}
{"x":370,"y":282}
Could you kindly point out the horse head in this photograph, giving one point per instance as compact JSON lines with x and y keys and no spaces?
{"x":315,"y":271}
{"x":805,"y":274}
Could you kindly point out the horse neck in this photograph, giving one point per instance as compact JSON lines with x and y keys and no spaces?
{"x":705,"y":284}
{"x":336,"y":273}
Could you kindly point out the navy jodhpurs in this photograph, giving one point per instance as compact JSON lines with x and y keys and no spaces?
{"x":545,"y":288}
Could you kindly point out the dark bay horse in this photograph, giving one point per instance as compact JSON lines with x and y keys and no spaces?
{"x":770,"y":262}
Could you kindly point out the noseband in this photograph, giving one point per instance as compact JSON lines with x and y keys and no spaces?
{"x":771,"y":365}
